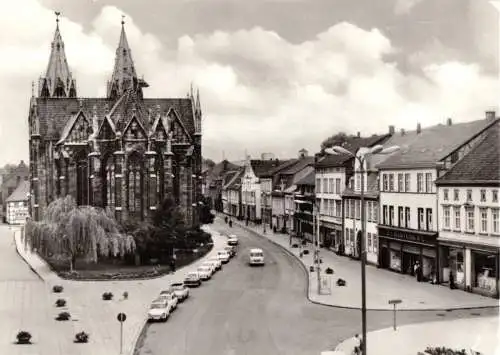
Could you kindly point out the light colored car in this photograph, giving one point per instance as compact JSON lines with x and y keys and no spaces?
{"x":233,"y":240}
{"x":205,"y":272}
{"x":192,"y":279}
{"x":180,"y":290}
{"x":211,"y":265}
{"x":216,"y":261}
{"x":256,"y":256}
{"x":158,"y":311}
{"x":169,"y":297}
{"x":223,"y":256}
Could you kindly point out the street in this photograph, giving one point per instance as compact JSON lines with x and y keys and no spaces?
{"x":264,"y":310}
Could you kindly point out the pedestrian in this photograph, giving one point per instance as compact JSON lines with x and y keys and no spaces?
{"x":419,"y":272}
{"x":357,"y":344}
{"x":225,"y":219}
{"x":230,"y":223}
{"x":172,"y":263}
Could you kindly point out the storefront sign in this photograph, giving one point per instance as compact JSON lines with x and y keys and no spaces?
{"x":406,"y":236}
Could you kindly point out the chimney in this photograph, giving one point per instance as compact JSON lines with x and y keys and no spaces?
{"x":359,"y":134}
{"x":419,"y":128}
{"x":402,"y":131}
{"x":448,"y":122}
{"x":391,"y":129}
{"x":490,"y":115}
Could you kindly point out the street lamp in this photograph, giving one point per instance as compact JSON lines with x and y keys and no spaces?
{"x":361,"y":158}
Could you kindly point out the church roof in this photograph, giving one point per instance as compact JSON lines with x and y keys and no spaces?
{"x":61,"y":110}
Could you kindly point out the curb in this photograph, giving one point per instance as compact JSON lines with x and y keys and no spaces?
{"x":359,"y":308}
{"x":26,"y":261}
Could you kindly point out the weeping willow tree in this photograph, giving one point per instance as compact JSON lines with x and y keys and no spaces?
{"x":77,"y":231}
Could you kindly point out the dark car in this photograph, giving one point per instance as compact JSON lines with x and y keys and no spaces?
{"x":192,"y":280}
{"x":231,"y":250}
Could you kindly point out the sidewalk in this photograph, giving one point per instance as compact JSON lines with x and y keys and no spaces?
{"x":93,"y":315}
{"x":454,"y":334}
{"x":381,"y":285}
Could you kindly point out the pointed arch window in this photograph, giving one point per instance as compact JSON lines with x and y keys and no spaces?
{"x":135,"y":183}
{"x":110,"y":183}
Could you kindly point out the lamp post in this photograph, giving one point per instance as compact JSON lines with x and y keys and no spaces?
{"x":363,"y":153}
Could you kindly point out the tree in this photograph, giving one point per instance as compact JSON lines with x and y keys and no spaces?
{"x":209,"y":163}
{"x":77,"y":231}
{"x":206,"y":215}
{"x":168,"y":220}
{"x":336,"y":139}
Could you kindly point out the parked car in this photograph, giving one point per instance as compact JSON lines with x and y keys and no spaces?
{"x":212,"y":267}
{"x":256,"y":256}
{"x":205,"y":272}
{"x":216,"y":261}
{"x":231,"y":250}
{"x":223,"y":256}
{"x":233,"y":240}
{"x":192,"y":279}
{"x":169,"y":296}
{"x":180,"y":291}
{"x":158,"y":311}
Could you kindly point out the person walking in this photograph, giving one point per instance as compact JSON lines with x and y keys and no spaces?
{"x":357,"y":345}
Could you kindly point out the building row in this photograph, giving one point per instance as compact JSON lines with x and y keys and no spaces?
{"x":434,"y":200}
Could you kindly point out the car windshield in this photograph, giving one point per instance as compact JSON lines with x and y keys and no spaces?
{"x":157,"y":305}
{"x":222,"y":253}
{"x":256,"y":254}
{"x":178,"y":287}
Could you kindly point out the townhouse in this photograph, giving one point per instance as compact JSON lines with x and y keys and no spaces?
{"x":468,"y":223}
{"x":231,"y":193}
{"x":332,"y":175}
{"x":407,"y":228}
{"x":284,"y":186}
{"x":351,"y":201}
{"x":254,"y":171}
{"x":215,"y":181}
{"x":303,"y":216}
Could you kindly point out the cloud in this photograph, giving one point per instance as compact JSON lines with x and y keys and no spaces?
{"x":259,"y":92}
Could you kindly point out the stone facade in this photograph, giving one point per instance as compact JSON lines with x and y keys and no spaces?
{"x":123,"y":152}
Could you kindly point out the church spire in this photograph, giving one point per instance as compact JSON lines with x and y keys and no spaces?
{"x":124,"y":76}
{"x":58,"y":81}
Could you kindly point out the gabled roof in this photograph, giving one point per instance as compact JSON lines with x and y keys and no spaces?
{"x":284,"y":164}
{"x":352,"y":144}
{"x":480,"y":165}
{"x":69,"y":125}
{"x":298,"y":166}
{"x":433,"y":144}
{"x":235,"y":181}
{"x":262,"y":167}
{"x":308,"y":180}
{"x":20,"y":193}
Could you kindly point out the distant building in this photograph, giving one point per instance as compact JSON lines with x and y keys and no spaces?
{"x":469,"y":219}
{"x":11,"y":178}
{"x":17,"y":204}
{"x":303,"y":217}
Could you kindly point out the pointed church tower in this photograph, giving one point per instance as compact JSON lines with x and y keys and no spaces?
{"x":58,"y":81}
{"x":124,"y":77}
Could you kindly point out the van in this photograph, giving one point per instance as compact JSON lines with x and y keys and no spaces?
{"x":256,"y":256}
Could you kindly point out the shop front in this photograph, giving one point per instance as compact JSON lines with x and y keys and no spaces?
{"x":330,"y":234}
{"x":401,"y":249}
{"x":470,"y":267}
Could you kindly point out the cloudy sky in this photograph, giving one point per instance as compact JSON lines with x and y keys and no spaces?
{"x":274,"y":75}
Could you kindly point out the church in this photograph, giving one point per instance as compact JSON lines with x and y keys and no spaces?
{"x":123,"y":151}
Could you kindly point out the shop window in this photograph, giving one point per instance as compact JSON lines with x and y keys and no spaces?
{"x":494,"y":221}
{"x":484,"y":220}
{"x":470,"y":220}
{"x":456,"y":195}
{"x":446,"y":217}
{"x":457,"y":226}
{"x":485,"y":268}
{"x":483,"y":195}
{"x":420,"y":212}
{"x":445,"y":194}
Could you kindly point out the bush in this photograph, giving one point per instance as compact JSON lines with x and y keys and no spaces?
{"x":107,"y":296}
{"x":23,"y":337}
{"x":57,"y":289}
{"x":63,"y":316}
{"x":81,"y":337}
{"x":311,"y":268}
{"x":306,"y":252}
{"x":329,"y":271}
{"x":60,"y":302}
{"x":445,"y":351}
{"x":341,"y":282}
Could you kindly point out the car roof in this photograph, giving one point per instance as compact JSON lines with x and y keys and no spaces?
{"x":255,"y":250}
